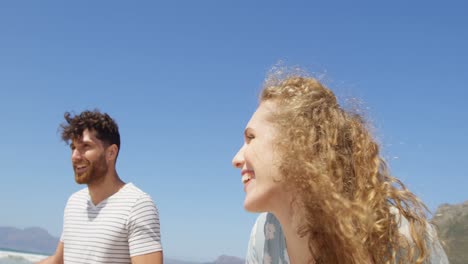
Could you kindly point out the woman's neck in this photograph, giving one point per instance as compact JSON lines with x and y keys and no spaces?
{"x":297,"y":246}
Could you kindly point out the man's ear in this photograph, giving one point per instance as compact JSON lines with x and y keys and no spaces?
{"x":112,"y":151}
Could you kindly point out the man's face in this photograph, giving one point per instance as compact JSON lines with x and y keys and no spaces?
{"x":88,"y":158}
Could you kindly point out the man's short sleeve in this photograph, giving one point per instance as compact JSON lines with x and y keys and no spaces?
{"x":143,"y":227}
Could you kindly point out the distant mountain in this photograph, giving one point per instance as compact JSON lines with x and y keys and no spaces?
{"x":33,"y":239}
{"x":176,"y":261}
{"x":452,"y":224}
{"x":223,"y":259}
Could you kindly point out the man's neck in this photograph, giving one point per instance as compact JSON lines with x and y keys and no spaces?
{"x":109,"y":185}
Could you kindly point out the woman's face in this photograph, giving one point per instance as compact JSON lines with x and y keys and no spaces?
{"x":258,"y":161}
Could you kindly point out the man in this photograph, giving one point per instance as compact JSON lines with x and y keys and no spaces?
{"x":109,"y":221}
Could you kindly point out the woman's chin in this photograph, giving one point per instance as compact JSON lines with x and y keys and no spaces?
{"x":257,"y":201}
{"x":252,"y":206}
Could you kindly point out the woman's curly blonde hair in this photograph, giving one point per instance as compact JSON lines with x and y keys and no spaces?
{"x":348,"y":203}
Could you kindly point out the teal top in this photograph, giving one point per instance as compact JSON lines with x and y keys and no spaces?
{"x":267,"y":244}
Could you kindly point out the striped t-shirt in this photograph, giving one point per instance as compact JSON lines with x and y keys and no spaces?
{"x":122,"y":226}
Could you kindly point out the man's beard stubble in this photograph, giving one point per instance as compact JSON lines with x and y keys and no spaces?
{"x":95,"y":172}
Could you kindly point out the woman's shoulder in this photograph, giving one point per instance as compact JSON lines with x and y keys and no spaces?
{"x":267,"y":241}
{"x":267,"y":225}
{"x":436,"y":251}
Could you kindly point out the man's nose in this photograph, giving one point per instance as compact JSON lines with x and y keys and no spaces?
{"x":76,"y":155}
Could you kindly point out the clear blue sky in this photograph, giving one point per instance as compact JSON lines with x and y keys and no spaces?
{"x":182,"y":80}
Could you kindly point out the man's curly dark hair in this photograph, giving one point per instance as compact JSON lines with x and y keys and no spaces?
{"x":102,"y":124}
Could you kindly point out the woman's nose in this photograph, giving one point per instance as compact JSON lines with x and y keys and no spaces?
{"x":238,"y":160}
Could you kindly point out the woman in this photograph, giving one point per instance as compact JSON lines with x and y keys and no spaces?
{"x":316,"y":169}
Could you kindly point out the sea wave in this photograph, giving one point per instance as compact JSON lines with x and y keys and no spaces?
{"x":14,"y":260}
{"x":14,"y":257}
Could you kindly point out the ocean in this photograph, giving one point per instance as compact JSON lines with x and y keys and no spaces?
{"x":8,"y":256}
